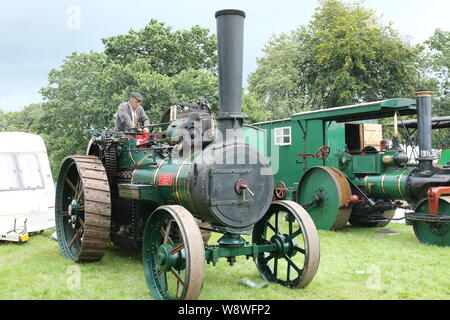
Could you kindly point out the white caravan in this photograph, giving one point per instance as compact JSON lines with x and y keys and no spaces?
{"x":27,"y":190}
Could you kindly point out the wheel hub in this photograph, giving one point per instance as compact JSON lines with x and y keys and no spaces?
{"x":74,"y":211}
{"x":284,"y":245}
{"x":438,"y":229}
{"x":320,"y":200}
{"x":168,"y":260}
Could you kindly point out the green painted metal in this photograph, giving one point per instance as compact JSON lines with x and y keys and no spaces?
{"x":434,"y":233}
{"x":445,"y":157}
{"x":310,"y":131}
{"x":325,"y":195}
{"x":214,"y":253}
{"x":372,"y":110}
{"x":376,"y":173}
{"x":367,"y":164}
{"x":391,"y":184}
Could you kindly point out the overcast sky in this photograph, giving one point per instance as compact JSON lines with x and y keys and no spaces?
{"x":35,"y":36}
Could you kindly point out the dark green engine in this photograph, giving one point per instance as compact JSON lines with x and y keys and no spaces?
{"x":166,"y":191}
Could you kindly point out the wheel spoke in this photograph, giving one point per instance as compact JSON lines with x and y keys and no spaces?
{"x":81,"y":222}
{"x":288,"y":277}
{"x":79,"y":189}
{"x":72,"y":186}
{"x":290,"y":262}
{"x":276,"y":222}
{"x":177,"y":275}
{"x":178,"y":289}
{"x":166,"y":234}
{"x":271,"y":226}
{"x":268,"y":258}
{"x":302,"y":251}
{"x":294,"y":235}
{"x":177,"y":248}
{"x":290,"y":224}
{"x":275,"y":267}
{"x":75,"y":236}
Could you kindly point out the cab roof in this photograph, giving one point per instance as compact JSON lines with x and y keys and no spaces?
{"x":364,"y":111}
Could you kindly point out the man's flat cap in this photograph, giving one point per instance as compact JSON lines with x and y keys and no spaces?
{"x":137,"y":96}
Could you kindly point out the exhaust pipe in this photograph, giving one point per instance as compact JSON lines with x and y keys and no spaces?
{"x":424,"y":108}
{"x":230,"y":44}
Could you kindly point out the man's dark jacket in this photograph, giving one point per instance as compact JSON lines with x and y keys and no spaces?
{"x":124,"y":117}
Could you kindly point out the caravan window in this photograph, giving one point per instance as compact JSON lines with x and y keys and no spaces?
{"x":9,"y":179}
{"x":30,"y":172}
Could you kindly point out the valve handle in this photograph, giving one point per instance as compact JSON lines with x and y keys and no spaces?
{"x":323,"y":152}
{"x":280,"y":190}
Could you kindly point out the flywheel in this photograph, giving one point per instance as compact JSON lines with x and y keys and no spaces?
{"x":83,"y":209}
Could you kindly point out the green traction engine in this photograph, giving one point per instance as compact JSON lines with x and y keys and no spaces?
{"x":165,"y":193}
{"x":335,"y":163}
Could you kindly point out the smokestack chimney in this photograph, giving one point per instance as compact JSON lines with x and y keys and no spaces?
{"x":230,"y":43}
{"x":424,"y":108}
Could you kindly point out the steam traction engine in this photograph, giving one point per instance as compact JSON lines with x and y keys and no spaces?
{"x":143,"y":191}
{"x":335,"y":163}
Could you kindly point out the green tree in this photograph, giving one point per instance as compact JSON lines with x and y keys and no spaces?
{"x":252,"y":109}
{"x":343,"y":56}
{"x":166,"y":51}
{"x":162,"y":64}
{"x":437,"y":75}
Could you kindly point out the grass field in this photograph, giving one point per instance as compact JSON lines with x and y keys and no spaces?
{"x":355,"y":264}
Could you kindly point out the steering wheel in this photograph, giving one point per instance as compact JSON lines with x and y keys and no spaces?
{"x":323,"y":152}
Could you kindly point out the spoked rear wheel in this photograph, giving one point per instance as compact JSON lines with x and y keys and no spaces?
{"x":173,"y":254}
{"x":296,"y":261}
{"x":82,"y":209}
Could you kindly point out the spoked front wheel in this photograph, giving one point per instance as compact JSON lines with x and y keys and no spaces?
{"x":173,"y":254}
{"x":296,"y":260}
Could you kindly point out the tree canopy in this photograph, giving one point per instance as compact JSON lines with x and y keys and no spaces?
{"x":437,"y":74}
{"x":162,"y":64}
{"x":343,"y":56}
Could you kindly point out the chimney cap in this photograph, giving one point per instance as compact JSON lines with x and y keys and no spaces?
{"x":422,"y":93}
{"x":230,"y":12}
